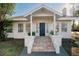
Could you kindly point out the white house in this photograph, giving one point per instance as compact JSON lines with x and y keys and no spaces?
{"x":42,"y":21}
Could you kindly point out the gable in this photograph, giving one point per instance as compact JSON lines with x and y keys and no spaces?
{"x":43,"y":7}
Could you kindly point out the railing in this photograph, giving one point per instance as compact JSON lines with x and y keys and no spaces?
{"x":29,"y":40}
{"x":57,"y":42}
{"x":37,"y":34}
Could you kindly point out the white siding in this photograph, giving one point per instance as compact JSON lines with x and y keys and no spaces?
{"x":50,"y":27}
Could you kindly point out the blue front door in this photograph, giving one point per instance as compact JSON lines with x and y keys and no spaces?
{"x":42,"y":29}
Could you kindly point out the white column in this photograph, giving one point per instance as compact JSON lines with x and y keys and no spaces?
{"x":54,"y":24}
{"x":31,"y":24}
{"x":59,"y":27}
{"x":38,"y":29}
{"x":24,"y":28}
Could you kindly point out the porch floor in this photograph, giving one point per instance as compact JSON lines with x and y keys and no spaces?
{"x":43,"y":44}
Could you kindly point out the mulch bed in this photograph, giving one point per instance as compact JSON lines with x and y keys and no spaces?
{"x":75,"y":51}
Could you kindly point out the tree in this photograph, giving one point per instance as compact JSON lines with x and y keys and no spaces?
{"x":75,"y":14}
{"x":6,"y":10}
{"x":73,"y":25}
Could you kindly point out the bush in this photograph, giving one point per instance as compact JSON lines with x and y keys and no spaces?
{"x":3,"y":28}
{"x":33,"y":33}
{"x":67,"y":45}
{"x":52,"y":33}
{"x":75,"y":28}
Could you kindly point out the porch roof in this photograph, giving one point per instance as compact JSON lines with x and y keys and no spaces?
{"x":19,"y":18}
{"x":66,"y":18}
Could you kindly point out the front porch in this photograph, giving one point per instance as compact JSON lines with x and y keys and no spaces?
{"x":44,"y":23}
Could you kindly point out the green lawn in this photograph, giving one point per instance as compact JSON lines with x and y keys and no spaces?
{"x":11,"y":47}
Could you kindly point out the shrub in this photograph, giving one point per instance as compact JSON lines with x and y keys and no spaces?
{"x":51,"y":33}
{"x":33,"y":33}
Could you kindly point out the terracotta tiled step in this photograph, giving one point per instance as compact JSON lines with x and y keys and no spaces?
{"x":42,"y":44}
{"x":36,"y":49}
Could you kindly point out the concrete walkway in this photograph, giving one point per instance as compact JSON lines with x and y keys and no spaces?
{"x":62,"y":53}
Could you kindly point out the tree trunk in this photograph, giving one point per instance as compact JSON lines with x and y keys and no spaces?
{"x":73,"y":25}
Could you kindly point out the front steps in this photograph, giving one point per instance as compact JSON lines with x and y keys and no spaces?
{"x":43,"y":44}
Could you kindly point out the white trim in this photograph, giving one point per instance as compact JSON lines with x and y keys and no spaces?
{"x":66,"y":18}
{"x":59,"y":28}
{"x":31,"y":24}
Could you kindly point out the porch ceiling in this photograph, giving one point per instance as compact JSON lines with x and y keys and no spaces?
{"x":48,"y":19}
{"x":41,"y":18}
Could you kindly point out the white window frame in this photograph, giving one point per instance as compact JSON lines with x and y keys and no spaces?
{"x":20,"y":29}
{"x":64,"y":27}
{"x":10,"y":29}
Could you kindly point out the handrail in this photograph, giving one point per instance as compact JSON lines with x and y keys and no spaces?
{"x":29,"y":40}
{"x":57,"y":42}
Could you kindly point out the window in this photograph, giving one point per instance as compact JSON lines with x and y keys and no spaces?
{"x":46,"y":28}
{"x":10,"y":29}
{"x":64,"y":27}
{"x":57,"y":27}
{"x":20,"y":27}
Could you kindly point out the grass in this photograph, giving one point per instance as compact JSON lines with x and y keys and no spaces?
{"x":11,"y":47}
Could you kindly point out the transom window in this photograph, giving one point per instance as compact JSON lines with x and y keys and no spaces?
{"x":20,"y":27}
{"x":64,"y":27}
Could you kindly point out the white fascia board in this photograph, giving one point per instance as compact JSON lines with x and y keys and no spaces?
{"x":66,"y":18}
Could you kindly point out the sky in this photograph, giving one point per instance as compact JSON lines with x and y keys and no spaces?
{"x":23,"y":8}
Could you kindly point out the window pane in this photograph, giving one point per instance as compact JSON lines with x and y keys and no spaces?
{"x":64,"y":27}
{"x":20,"y":27}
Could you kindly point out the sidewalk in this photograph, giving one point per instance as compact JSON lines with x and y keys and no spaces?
{"x":62,"y":53}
